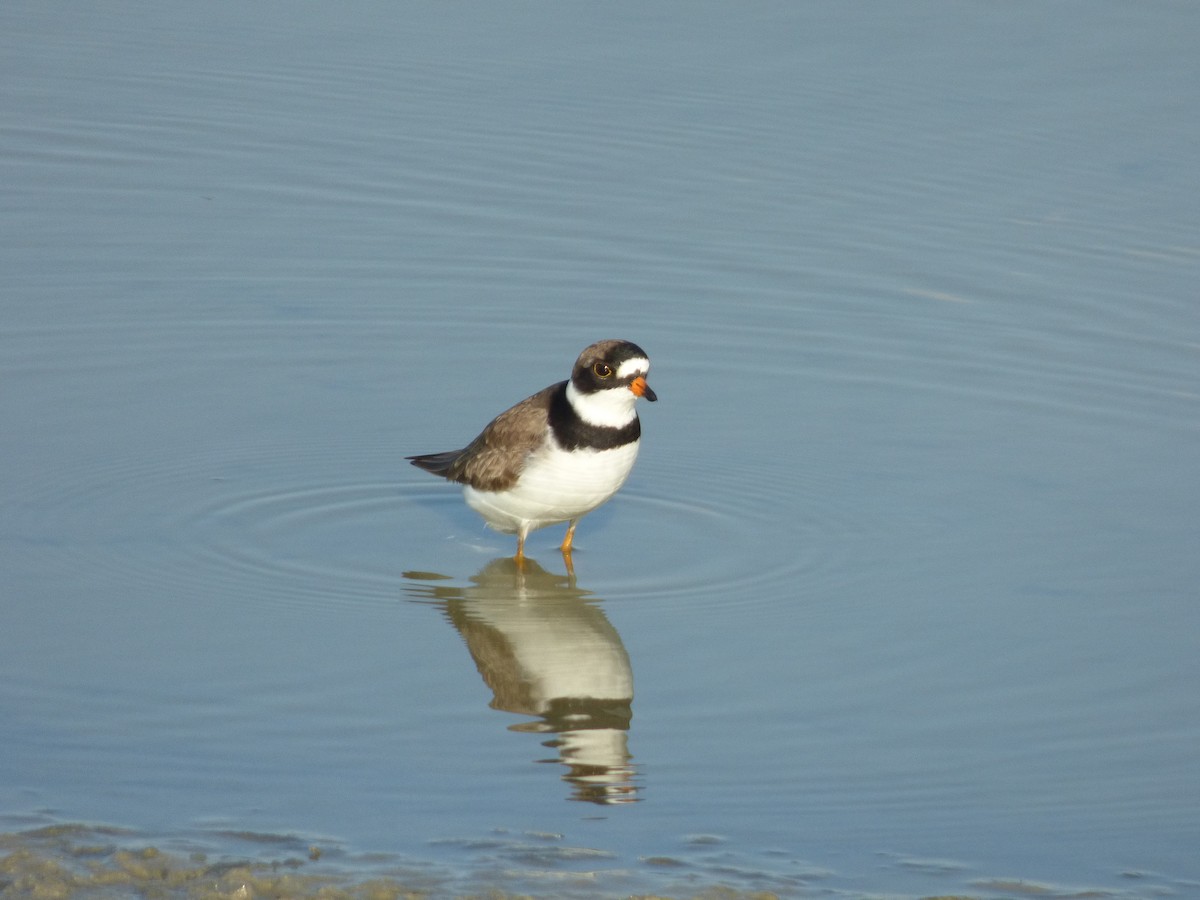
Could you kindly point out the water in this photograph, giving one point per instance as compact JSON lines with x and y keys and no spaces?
{"x":901,"y":595}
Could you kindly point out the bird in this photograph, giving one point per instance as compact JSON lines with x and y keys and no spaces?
{"x":558,"y":454}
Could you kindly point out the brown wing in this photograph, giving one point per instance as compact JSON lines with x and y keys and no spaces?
{"x":494,"y":460}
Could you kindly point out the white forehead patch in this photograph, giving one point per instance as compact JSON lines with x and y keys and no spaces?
{"x":639,"y":365}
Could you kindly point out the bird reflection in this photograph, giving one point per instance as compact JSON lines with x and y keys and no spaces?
{"x":546,"y":650}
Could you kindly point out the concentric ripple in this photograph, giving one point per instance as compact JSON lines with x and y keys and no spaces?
{"x":732,"y":543}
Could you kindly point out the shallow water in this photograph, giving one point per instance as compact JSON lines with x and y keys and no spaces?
{"x":901,"y":595}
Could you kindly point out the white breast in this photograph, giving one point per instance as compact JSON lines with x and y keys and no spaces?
{"x":555,"y":486}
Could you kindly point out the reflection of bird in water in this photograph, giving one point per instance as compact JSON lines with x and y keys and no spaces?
{"x":546,"y":651}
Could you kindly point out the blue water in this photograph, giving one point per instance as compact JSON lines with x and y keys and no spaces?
{"x":904,"y":584}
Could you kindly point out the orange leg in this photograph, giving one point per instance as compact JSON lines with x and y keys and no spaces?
{"x":520,"y":557}
{"x":569,"y":538}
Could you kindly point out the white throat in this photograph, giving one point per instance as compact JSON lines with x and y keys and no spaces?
{"x":611,"y":408}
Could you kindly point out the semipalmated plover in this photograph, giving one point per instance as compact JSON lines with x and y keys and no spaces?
{"x":555,"y":456}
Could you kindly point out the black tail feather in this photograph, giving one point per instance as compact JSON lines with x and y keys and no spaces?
{"x":437,"y":463}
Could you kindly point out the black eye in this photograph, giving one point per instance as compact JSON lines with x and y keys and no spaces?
{"x":602,"y":370}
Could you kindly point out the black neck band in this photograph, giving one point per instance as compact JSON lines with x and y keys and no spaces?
{"x":572,"y":433}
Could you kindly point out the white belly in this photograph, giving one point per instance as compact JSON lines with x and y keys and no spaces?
{"x":555,"y":486}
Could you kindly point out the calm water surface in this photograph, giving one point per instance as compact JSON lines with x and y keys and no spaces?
{"x":902,"y":594}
